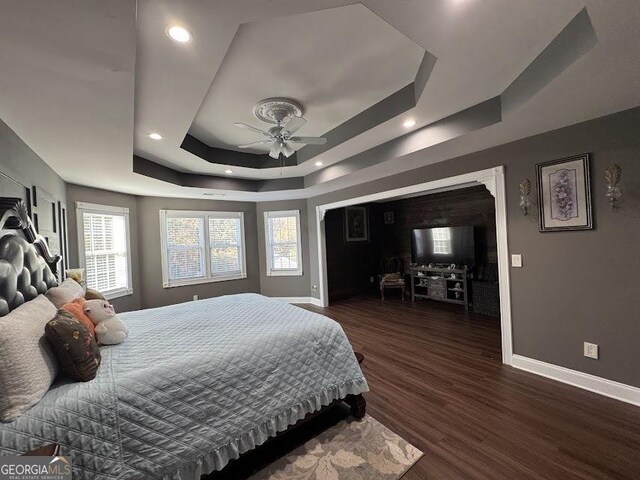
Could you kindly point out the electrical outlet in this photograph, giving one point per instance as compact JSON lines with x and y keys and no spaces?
{"x":591,"y":350}
{"x":196,"y":297}
{"x":314,"y":288}
{"x":516,"y":260}
{"x":370,"y":279}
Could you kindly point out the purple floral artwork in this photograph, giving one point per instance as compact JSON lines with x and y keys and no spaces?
{"x":564,"y":196}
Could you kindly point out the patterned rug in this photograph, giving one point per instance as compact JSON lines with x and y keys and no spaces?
{"x":350,"y":450}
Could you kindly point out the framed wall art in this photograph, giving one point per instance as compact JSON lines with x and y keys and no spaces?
{"x":564,"y":194}
{"x":356,"y":224}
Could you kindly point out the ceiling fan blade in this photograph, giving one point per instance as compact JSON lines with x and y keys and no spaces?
{"x":293,"y":125}
{"x":253,"y":144}
{"x":309,"y":140}
{"x":275,"y":151}
{"x":287,"y":150}
{"x":249,"y":127}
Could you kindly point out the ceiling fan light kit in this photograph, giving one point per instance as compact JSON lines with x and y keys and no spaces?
{"x":286,"y":115}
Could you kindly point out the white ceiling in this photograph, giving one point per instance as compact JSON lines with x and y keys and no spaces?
{"x":335,"y":62}
{"x":72,"y":72}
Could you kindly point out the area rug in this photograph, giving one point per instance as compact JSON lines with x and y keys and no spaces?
{"x":350,"y":450}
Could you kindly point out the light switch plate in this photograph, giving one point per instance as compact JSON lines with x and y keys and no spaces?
{"x":516,"y":260}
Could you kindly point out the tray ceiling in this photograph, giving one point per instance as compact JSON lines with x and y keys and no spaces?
{"x":83,"y":83}
{"x":335,"y":62}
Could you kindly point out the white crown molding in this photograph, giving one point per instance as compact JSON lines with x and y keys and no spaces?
{"x":602,"y":386}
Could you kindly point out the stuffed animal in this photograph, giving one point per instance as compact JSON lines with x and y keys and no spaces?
{"x":110,"y":330}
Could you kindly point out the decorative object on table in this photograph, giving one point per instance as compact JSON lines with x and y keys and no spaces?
{"x":612,"y":177}
{"x":525,"y":191}
{"x":389,"y":218}
{"x":350,"y":449}
{"x":564,"y":194}
{"x":356,"y":224}
{"x":76,"y":274}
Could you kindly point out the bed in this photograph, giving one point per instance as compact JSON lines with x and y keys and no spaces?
{"x":194,"y":386}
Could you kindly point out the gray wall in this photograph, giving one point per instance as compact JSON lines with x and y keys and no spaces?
{"x":17,"y":160}
{"x":575,"y":286}
{"x":152,"y":292}
{"x":144,"y":218}
{"x":297,"y":286}
{"x":77,"y":193}
{"x":21,"y":169}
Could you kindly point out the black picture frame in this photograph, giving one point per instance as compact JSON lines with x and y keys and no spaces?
{"x":356,"y":224}
{"x":564,"y":194}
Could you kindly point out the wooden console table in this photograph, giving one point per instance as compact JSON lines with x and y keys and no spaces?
{"x":436,"y":283}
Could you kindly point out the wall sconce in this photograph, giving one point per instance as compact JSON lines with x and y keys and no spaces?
{"x":612,"y":177}
{"x":525,"y":191}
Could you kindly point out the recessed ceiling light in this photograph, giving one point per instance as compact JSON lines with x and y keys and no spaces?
{"x":409,"y":123}
{"x":319,"y":164}
{"x":228,"y":171}
{"x":179,"y":34}
{"x":154,"y":136}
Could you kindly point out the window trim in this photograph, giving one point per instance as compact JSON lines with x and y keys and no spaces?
{"x":208,"y":278}
{"x":81,"y":209}
{"x":281,"y":272}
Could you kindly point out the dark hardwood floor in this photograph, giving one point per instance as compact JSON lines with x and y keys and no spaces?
{"x":436,"y":379}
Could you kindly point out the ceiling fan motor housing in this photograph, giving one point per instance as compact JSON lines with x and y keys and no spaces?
{"x":277,"y":110}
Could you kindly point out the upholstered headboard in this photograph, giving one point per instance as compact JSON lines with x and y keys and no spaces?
{"x":27,"y":267}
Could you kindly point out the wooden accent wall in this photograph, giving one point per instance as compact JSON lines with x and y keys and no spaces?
{"x":469,"y":206}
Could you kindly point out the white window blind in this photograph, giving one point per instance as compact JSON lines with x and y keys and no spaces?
{"x":283,"y":242}
{"x":200,"y":247}
{"x":103,"y":234}
{"x":225,"y":246}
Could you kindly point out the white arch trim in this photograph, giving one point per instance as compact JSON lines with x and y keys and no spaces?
{"x":494,"y":180}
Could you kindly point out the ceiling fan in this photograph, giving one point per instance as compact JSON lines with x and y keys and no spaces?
{"x":287,"y":117}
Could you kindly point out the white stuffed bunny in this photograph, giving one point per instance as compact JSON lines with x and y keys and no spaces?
{"x":110,"y":330}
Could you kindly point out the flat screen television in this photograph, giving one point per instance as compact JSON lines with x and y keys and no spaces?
{"x":444,"y":245}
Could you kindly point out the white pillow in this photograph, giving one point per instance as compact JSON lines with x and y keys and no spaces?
{"x":28,"y":364}
{"x":67,"y":292}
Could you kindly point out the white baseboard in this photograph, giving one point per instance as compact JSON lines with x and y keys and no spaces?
{"x":295,"y":300}
{"x":608,"y":388}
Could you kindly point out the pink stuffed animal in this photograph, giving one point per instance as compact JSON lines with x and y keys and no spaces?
{"x":110,"y":330}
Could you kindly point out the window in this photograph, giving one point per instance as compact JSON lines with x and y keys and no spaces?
{"x":104,"y":248}
{"x":284,"y":248}
{"x":199,"y":247}
{"x":442,"y":240}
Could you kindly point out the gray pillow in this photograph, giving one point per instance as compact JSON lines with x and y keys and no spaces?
{"x":28,"y":364}
{"x":67,"y":292}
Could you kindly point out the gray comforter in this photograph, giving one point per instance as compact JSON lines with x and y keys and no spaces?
{"x":194,"y":386}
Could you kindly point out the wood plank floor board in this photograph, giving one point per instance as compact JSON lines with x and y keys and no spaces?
{"x":437,"y":380}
